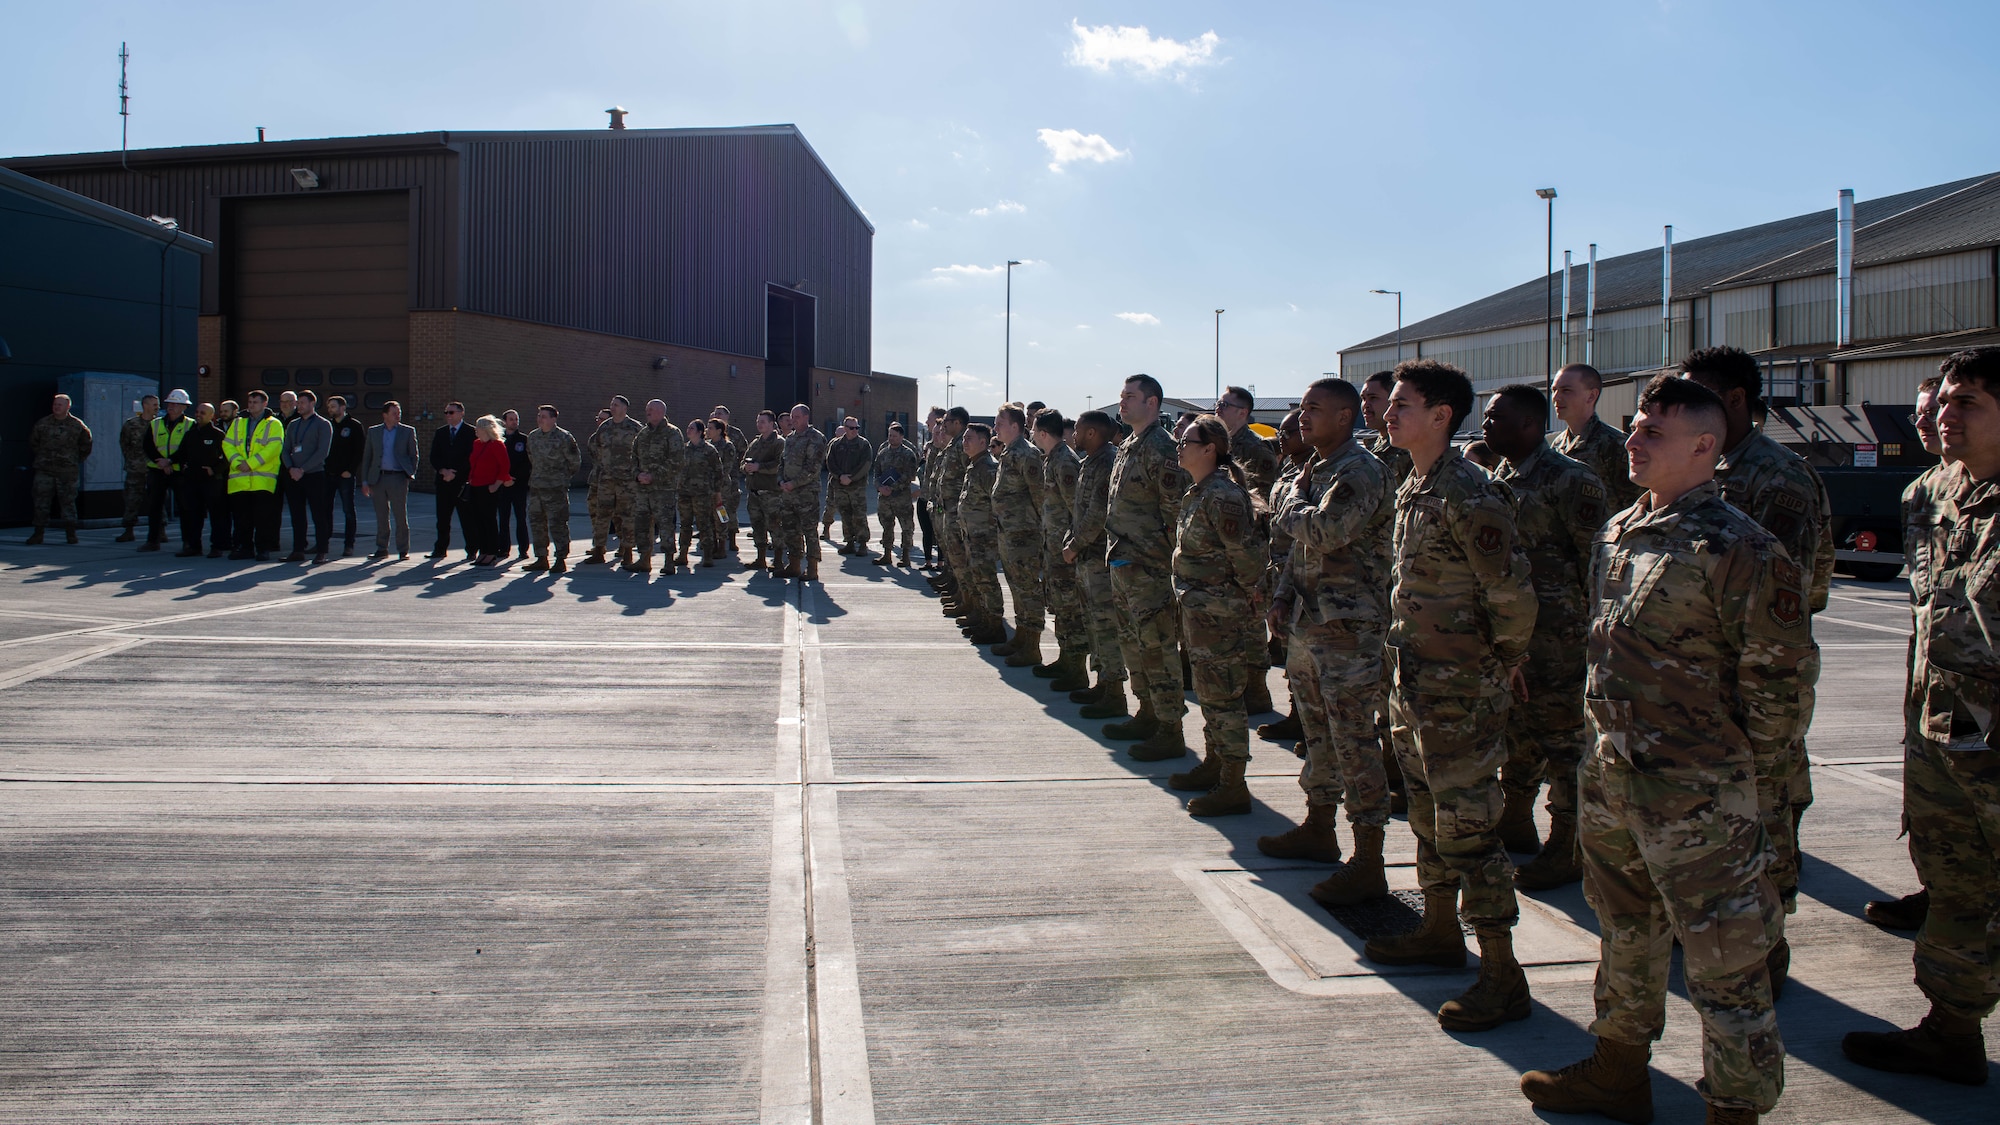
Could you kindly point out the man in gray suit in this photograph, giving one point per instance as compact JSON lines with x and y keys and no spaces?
{"x":388,"y":464}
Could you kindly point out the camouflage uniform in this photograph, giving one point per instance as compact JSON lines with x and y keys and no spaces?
{"x":1218,"y":565}
{"x":1086,"y":537}
{"x":805,"y":453}
{"x":658,"y":451}
{"x":1951,"y":773}
{"x":981,"y":535}
{"x":59,"y":447}
{"x":766,"y":501}
{"x":851,"y":457}
{"x":1017,"y":511}
{"x":1258,"y":459}
{"x":732,"y":481}
{"x":1060,"y":469}
{"x":951,"y":466}
{"x":701,"y":479}
{"x":1141,"y":514}
{"x":617,"y":480}
{"x":553,"y":459}
{"x":1335,"y":525}
{"x":1778,"y":489}
{"x":1696,"y":649}
{"x":1561,"y":506}
{"x":1398,"y":460}
{"x":900,"y":462}
{"x":1601,"y":449}
{"x":1463,"y":613}
{"x":726,"y":498}
{"x":1282,"y":491}
{"x":132,"y":443}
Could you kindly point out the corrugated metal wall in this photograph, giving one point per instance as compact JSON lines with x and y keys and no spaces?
{"x":1805,"y":313}
{"x":1890,"y":381}
{"x":1494,"y":359}
{"x":1356,"y":366}
{"x":1741,"y":318}
{"x":1946,"y":293}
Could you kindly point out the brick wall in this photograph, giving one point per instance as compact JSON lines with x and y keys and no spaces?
{"x":867,"y":397}
{"x":210,"y":332}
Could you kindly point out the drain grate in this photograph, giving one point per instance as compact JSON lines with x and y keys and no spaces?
{"x":1399,"y":913}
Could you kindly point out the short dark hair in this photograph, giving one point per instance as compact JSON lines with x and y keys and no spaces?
{"x":1037,"y":406}
{"x":458,"y":406}
{"x":341,"y":399}
{"x":1973,"y":365}
{"x":1050,"y":422}
{"x":1149,"y":387}
{"x":1013,"y":414}
{"x":1097,"y":420}
{"x":255,"y":393}
{"x":308,"y":396}
{"x":1440,"y":384}
{"x":958,"y":414}
{"x":895,"y":427}
{"x":551,"y":411}
{"x":719,"y":424}
{"x":1589,"y":373}
{"x":1667,"y":392}
{"x":1930,"y":383}
{"x":1734,"y":368}
{"x":622,"y":401}
{"x":149,"y":397}
{"x":1527,"y":397}
{"x":771,"y":414}
{"x":980,"y":428}
{"x":1340,"y":389}
{"x":1244,"y":397}
{"x":1386,"y":378}
{"x":393,"y":403}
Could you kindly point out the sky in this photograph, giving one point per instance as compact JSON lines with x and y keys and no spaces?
{"x":1146,"y":164}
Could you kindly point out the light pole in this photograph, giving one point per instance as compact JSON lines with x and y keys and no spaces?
{"x":1548,"y":195}
{"x":1007,"y":378}
{"x":948,"y":385}
{"x":1398,"y":294}
{"x":1218,"y":356}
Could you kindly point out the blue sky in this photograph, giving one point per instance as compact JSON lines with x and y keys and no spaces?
{"x":1274,"y":160}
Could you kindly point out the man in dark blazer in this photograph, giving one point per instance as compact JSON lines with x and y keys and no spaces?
{"x":388,"y":464}
{"x":451,"y":460}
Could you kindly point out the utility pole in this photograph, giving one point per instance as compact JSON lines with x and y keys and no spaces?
{"x":1007,"y":378}
{"x":1548,"y":195}
{"x":124,"y":108}
{"x":1398,"y":294}
{"x":1218,"y":355}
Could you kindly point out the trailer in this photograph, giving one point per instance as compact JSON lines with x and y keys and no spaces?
{"x":1867,"y":455}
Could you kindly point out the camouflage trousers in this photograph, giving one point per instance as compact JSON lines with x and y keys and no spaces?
{"x":955,"y":558}
{"x":657,"y":509}
{"x":1147,"y":624}
{"x":1212,"y":625}
{"x":1336,"y":675}
{"x":850,"y":503}
{"x":764,"y":521}
{"x":980,"y":580}
{"x":135,"y":496}
{"x":1021,"y":560}
{"x":1951,"y":797}
{"x":1450,"y":749}
{"x":58,"y":488}
{"x":548,"y":519}
{"x":1791,"y":792}
{"x":618,"y":500}
{"x":732,"y":498}
{"x":1546,"y":735}
{"x":1065,"y":600}
{"x":697,"y":512}
{"x":799,"y":526}
{"x":1100,"y":609}
{"x":892,"y":510}
{"x":1663,"y":860}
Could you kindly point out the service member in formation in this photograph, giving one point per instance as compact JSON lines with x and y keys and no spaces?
{"x":1696,"y":646}
{"x":699,"y":482}
{"x":896,"y":467}
{"x":1258,"y":461}
{"x":1463,"y":611}
{"x":1141,"y":514}
{"x":656,"y":458}
{"x":1295,"y":452}
{"x":979,"y":581}
{"x":1951,"y":771}
{"x":617,"y":482}
{"x":59,"y":444}
{"x":1085,"y":545}
{"x":132,"y":444}
{"x":1561,"y":506}
{"x":1332,"y":605}
{"x":951,"y":465}
{"x":732,"y":476}
{"x":761,"y":459}
{"x":555,"y":459}
{"x":1060,"y":470}
{"x":798,"y":477}
{"x":1219,"y":561}
{"x":1017,"y":512}
{"x":593,"y":504}
{"x":164,"y":436}
{"x":1375,"y":400}
{"x":849,"y":458}
{"x":1586,"y":438}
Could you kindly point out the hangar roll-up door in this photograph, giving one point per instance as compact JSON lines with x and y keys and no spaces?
{"x":319,"y":296}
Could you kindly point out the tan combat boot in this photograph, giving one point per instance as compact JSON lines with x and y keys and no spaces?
{"x":1437,"y":941}
{"x":1558,"y":865}
{"x":1614,"y":1082}
{"x":1230,"y":797}
{"x":812,"y":568}
{"x":1313,"y":839}
{"x":1110,"y":701}
{"x":1139,"y":726}
{"x":1517,"y":824}
{"x":1026,"y":649}
{"x":593,"y":557}
{"x":1731,"y":1115}
{"x":1257,"y":693}
{"x":1164,"y":744}
{"x":1071,"y":673}
{"x":759,"y":563}
{"x":646,"y":562}
{"x":1202,"y":778}
{"x":1359,"y":879}
{"x":1500,"y":995}
{"x":540,"y":564}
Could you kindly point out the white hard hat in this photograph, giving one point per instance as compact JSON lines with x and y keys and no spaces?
{"x":180,"y":396}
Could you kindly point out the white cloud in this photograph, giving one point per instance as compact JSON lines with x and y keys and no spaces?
{"x":1135,"y":49}
{"x":1139,"y":318}
{"x":919,"y":224}
{"x":1067,"y":146}
{"x":1083,"y":326}
{"x":968,"y":271}
{"x":1004,"y":207}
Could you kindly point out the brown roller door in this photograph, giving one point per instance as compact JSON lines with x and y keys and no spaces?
{"x":319,"y":295}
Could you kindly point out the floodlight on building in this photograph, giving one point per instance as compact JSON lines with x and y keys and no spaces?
{"x":305,"y":178}
{"x":659,"y":363}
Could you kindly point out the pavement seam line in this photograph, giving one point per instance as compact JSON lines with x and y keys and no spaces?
{"x":174,"y":619}
{"x":787,"y":1089}
{"x":64,"y":663}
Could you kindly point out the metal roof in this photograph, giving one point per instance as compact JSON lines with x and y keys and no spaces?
{"x":102,"y":212}
{"x":1963,"y":220}
{"x":1700,"y":264}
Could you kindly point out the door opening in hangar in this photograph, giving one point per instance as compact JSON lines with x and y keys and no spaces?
{"x":790,"y":334}
{"x":317,"y":290}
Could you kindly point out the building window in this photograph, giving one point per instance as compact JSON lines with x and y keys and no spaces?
{"x":341,"y":376}
{"x":375,"y":400}
{"x":310,"y":377}
{"x":378,"y":376}
{"x":276,"y":377}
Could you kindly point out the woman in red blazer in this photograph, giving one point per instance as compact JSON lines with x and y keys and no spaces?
{"x":491,"y":471}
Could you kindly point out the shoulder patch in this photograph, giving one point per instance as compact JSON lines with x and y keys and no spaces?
{"x":1788,"y":605}
{"x":1488,"y":539}
{"x":1790,"y":501}
{"x":1592,"y":492}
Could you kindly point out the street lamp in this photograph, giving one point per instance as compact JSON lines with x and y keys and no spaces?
{"x":1218,"y":356}
{"x":1548,"y":195}
{"x":948,"y":385}
{"x":1398,"y":294}
{"x":1007,"y":378}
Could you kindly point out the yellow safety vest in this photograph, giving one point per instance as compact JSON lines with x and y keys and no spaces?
{"x":167,"y":441}
{"x":260,"y":450}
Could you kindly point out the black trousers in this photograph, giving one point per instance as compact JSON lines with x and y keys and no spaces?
{"x":451,"y":497}
{"x":254,"y":516}
{"x":311,"y":495}
{"x":342,"y":489}
{"x":215,"y":494}
{"x":924,"y":525}
{"x":159,"y":486}
{"x":513,"y":505}
{"x":191,"y":493}
{"x":480,"y":511}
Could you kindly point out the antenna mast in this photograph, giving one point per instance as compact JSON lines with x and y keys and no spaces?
{"x":124,"y":107}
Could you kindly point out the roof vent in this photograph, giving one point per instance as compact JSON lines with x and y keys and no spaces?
{"x":617,"y":113}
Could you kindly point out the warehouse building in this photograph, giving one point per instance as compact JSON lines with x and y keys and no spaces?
{"x":1920,"y":276}
{"x":698,"y":266}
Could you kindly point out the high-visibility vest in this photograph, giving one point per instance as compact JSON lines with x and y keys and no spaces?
{"x":167,"y":439}
{"x":260,"y":449}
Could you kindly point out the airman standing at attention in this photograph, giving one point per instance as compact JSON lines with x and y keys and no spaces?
{"x":656,"y":456}
{"x":1258,"y":461}
{"x":1588,"y":439}
{"x":734,"y":444}
{"x":1463,"y":612}
{"x":701,"y":489}
{"x":798,"y":477}
{"x":593,"y":497}
{"x":1060,"y":470}
{"x":979,"y":584}
{"x":1085,"y":546}
{"x":896,"y":468}
{"x":951,"y":465}
{"x":724,"y":506}
{"x":617,"y":481}
{"x":1143,"y":510}
{"x":1017,"y":512}
{"x":132,"y":443}
{"x":554,"y":458}
{"x":59,"y":444}
{"x":761,"y":459}
{"x":1293,"y":448}
{"x":1374,"y":401}
{"x":849,"y":458}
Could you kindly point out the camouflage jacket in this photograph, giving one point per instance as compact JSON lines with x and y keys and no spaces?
{"x":1258,"y":458}
{"x":1060,"y":470}
{"x":701,"y":470}
{"x":1696,"y":642}
{"x":1093,"y":501}
{"x":898,"y":462}
{"x":1778,"y":489}
{"x":765,"y":451}
{"x":1955,"y":591}
{"x":1463,"y":609}
{"x":730,"y":460}
{"x":553,"y":459}
{"x":59,"y":444}
{"x":975,"y":501}
{"x":805,"y":453}
{"x":1216,"y":549}
{"x":1017,"y":489}
{"x":611,"y":447}
{"x":132,"y":442}
{"x":1561,"y":505}
{"x":1282,"y":491}
{"x":848,"y":457}
{"x":1398,"y":460}
{"x":1339,"y":516}
{"x":1143,"y":509}
{"x":951,"y":468}
{"x":659,"y":450}
{"x":1601,"y":449}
